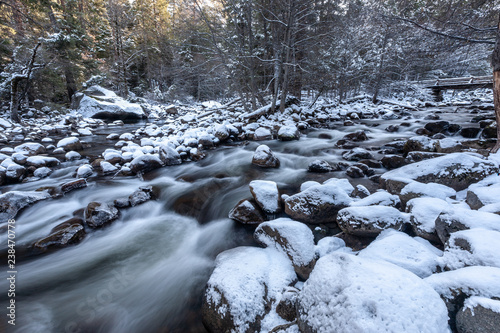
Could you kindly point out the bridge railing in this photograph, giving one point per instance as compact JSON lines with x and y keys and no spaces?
{"x":473,"y":80}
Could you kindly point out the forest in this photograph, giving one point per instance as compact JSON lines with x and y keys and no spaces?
{"x":200,"y":49}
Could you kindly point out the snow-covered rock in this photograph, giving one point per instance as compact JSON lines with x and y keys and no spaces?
{"x":369,"y":221}
{"x":457,"y":170}
{"x":266,"y":195}
{"x":262,"y":133}
{"x":244,"y":285}
{"x":108,"y":168}
{"x":474,"y":247}
{"x":288,"y":133}
{"x":265,"y":158}
{"x":401,"y":250}
{"x":320,"y":166}
{"x":145,"y":163}
{"x":433,"y":190}
{"x":479,"y":315}
{"x":97,"y":214}
{"x":105,"y":104}
{"x":357,"y":154}
{"x":330,"y":244}
{"x":317,"y":204}
{"x":345,"y":293}
{"x":379,"y":198}
{"x":457,"y":218}
{"x":42,"y":172}
{"x":84,"y":171}
{"x":423,"y":214}
{"x":72,"y":156}
{"x":293,"y":239}
{"x":455,"y":286}
{"x":41,"y":161}
{"x":12,"y":202}
{"x":70,"y":143}
{"x":168,"y":155}
{"x":30,"y":148}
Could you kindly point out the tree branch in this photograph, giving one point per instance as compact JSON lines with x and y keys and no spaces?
{"x":461,"y":38}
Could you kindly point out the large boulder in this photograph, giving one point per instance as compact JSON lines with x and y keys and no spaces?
{"x":288,"y":133}
{"x":457,"y":170}
{"x":30,"y":148}
{"x":348,"y":294}
{"x":12,"y":202}
{"x":317,"y":204}
{"x":101,"y":103}
{"x":417,"y":190}
{"x":244,"y":285}
{"x":292,"y":238}
{"x":369,"y":221}
{"x":265,"y":158}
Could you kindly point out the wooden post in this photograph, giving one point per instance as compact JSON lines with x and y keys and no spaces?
{"x":495,"y":63}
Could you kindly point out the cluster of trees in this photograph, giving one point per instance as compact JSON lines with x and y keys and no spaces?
{"x":166,"y":49}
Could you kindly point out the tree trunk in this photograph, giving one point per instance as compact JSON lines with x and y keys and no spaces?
{"x":378,"y":82}
{"x":495,"y":63}
{"x":14,"y":100}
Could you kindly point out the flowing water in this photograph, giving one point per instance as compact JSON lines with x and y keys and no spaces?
{"x":146,"y":271}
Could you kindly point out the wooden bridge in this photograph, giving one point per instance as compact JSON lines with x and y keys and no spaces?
{"x":460,"y":83}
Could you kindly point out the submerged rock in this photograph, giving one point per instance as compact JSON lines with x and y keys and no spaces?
{"x":97,"y":214}
{"x":66,"y":233}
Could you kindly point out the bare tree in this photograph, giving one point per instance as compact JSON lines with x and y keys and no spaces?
{"x":495,"y":63}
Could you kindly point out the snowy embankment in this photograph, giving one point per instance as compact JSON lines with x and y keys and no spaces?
{"x":416,"y":254}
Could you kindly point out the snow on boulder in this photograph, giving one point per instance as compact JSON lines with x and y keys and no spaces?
{"x":342,"y":183}
{"x":145,"y":163}
{"x":30,"y":148}
{"x":357,"y":154}
{"x":265,"y":158}
{"x":401,"y":250}
{"x":330,"y":244}
{"x":433,"y":190}
{"x":479,"y":315}
{"x":369,"y":221}
{"x":168,"y":155}
{"x":455,"y":286}
{"x":244,"y":285}
{"x":84,"y":171}
{"x":345,"y":293}
{"x":474,"y":247}
{"x":262,"y":133}
{"x":288,"y":133}
{"x":317,"y":204}
{"x":457,"y":170}
{"x":70,"y":143}
{"x":456,"y":218}
{"x":478,"y":197}
{"x":105,"y":104}
{"x":379,"y":198}
{"x":12,"y":202}
{"x":42,"y":172}
{"x":423,"y":214}
{"x":41,"y":161}
{"x":292,"y":238}
{"x":266,"y":195}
